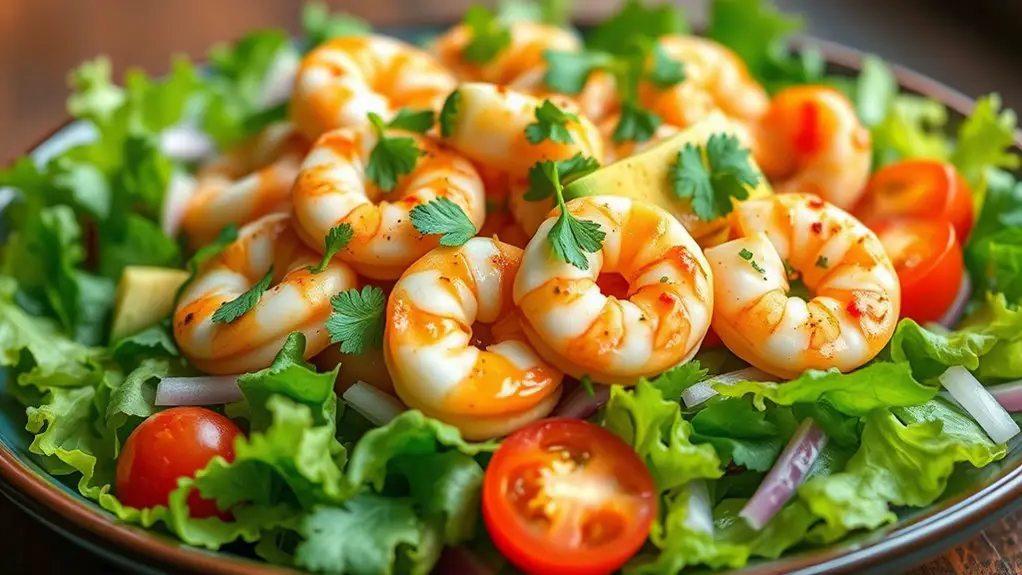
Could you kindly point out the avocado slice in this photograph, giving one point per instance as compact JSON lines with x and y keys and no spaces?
{"x":145,"y":295}
{"x":646,"y":176}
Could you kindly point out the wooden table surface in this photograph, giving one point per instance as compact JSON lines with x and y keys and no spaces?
{"x":40,"y":40}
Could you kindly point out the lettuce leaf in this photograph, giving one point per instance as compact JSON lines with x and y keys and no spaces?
{"x":985,"y":140}
{"x":930,"y":353}
{"x":913,"y":127}
{"x":1003,"y":321}
{"x":740,"y":433}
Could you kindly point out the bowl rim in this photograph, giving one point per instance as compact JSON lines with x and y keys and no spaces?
{"x":968,"y":509}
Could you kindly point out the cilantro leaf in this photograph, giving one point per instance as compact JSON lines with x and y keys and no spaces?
{"x":358,"y":319}
{"x":636,"y":23}
{"x":665,"y":71}
{"x":319,"y":25}
{"x":239,"y":306}
{"x":568,"y":72}
{"x":711,"y":184}
{"x":336,"y":240}
{"x":442,"y":216}
{"x":226,"y":237}
{"x":449,"y":113}
{"x":541,"y":186}
{"x":636,"y":124}
{"x":391,"y":157}
{"x":571,"y":237}
{"x":551,"y":124}
{"x":489,"y":35}
{"x":419,"y":121}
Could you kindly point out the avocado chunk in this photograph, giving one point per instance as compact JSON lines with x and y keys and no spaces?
{"x":145,"y":296}
{"x":646,"y":176}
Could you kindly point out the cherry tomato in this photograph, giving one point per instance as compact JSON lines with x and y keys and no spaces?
{"x":928,"y":259}
{"x":919,"y":188}
{"x":169,"y":445}
{"x":565,"y":496}
{"x":711,"y":341}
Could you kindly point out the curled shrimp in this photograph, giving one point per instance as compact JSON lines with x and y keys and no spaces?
{"x":489,"y":128}
{"x":715,"y":80}
{"x":856,"y":296}
{"x":244,"y":184}
{"x":524,"y":52}
{"x":811,"y":141}
{"x":341,"y":81}
{"x":298,"y":301}
{"x":332,"y":189}
{"x":655,"y":319}
{"x":454,"y":343}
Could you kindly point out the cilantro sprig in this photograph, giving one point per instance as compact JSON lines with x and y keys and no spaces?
{"x":442,"y":216}
{"x":396,"y":156}
{"x":551,"y":124}
{"x":490,"y":35}
{"x":711,"y":175}
{"x":748,"y":256}
{"x":336,"y":240}
{"x":449,"y":113}
{"x":570,"y":238}
{"x":239,"y":306}
{"x":541,"y":186}
{"x":357,"y":319}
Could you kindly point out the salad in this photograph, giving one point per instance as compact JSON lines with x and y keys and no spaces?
{"x":519,"y":298}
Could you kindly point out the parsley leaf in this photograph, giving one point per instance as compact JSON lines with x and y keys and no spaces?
{"x":568,"y":72}
{"x":666,"y":71}
{"x":726,"y":173}
{"x":747,"y":256}
{"x":419,"y":121}
{"x":391,"y":157}
{"x":442,"y":216}
{"x":448,"y":113}
{"x":336,"y":239}
{"x":636,"y":123}
{"x":239,"y":306}
{"x":357,"y":321}
{"x":571,"y":237}
{"x":540,"y":185}
{"x":551,"y":124}
{"x":489,"y":35}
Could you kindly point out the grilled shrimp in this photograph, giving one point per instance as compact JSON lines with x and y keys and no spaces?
{"x":655,"y":319}
{"x":298,"y":301}
{"x":856,"y":295}
{"x":332,"y":189}
{"x":245,"y":183}
{"x":454,"y":343}
{"x":341,"y":81}
{"x":811,"y":141}
{"x":489,"y":128}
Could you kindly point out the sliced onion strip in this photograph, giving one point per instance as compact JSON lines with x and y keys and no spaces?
{"x":981,"y":405}
{"x":700,"y":514}
{"x":702,"y":391}
{"x":202,"y":390}
{"x":580,"y":405}
{"x":186,"y":143}
{"x":786,"y":475}
{"x":954,"y":311}
{"x":375,"y":405}
{"x":1009,"y":395}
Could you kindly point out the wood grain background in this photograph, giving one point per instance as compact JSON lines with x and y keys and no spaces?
{"x":40,"y":40}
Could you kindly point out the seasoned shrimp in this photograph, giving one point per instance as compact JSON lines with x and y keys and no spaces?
{"x":440,"y":315}
{"x":529,"y":40}
{"x":341,"y":81}
{"x":489,"y":128}
{"x":298,"y":301}
{"x":856,"y":294}
{"x":715,"y":79}
{"x":811,"y":141}
{"x":332,"y":189}
{"x":245,"y":183}
{"x":657,"y":318}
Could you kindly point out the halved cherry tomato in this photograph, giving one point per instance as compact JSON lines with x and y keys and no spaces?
{"x":918,"y":188}
{"x":711,"y":341}
{"x":564,"y":496}
{"x":928,"y":259}
{"x":169,"y":445}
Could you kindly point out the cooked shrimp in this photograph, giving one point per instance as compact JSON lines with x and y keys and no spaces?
{"x":529,"y":40}
{"x":343,"y":80}
{"x":715,"y":79}
{"x":440,"y":315}
{"x":811,"y":141}
{"x":298,"y":301}
{"x":856,"y":294}
{"x":489,"y":128}
{"x":332,"y":189}
{"x":658,"y":318}
{"x":245,"y":183}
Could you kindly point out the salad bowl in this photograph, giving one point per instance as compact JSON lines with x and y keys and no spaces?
{"x":973,"y":501}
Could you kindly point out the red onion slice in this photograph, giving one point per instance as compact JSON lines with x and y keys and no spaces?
{"x":954,"y":312}
{"x":786,"y":475}
{"x":186,"y":143}
{"x":981,"y":405}
{"x":702,"y":391}
{"x":1009,"y":395}
{"x":580,"y":405}
{"x":461,"y":561}
{"x":375,"y":405}
{"x":202,"y":390}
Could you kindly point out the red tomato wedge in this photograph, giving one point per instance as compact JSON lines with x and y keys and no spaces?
{"x":918,"y":188}
{"x":171,"y":444}
{"x":928,"y":259}
{"x":565,"y":496}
